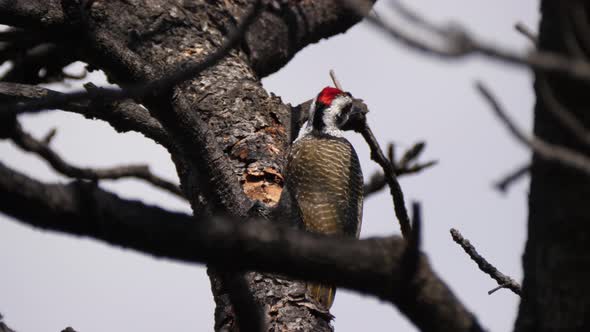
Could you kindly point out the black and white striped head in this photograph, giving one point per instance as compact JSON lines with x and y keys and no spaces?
{"x":329,"y":112}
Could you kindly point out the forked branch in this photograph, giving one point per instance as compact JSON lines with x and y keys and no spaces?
{"x":30,"y":144}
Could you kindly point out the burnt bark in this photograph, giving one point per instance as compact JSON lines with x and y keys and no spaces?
{"x":230,"y":133}
{"x":556,"y":292}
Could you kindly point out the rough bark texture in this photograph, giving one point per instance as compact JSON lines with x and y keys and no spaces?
{"x":231,"y":134}
{"x":556,"y":291}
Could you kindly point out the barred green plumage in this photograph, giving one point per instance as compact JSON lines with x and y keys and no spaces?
{"x":325,"y":179}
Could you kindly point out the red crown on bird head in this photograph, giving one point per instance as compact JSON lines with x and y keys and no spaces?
{"x":328,"y":94}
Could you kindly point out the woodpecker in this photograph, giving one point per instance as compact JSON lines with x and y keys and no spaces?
{"x":324,"y":176}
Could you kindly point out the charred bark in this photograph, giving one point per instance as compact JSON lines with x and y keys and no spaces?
{"x":231,"y":135}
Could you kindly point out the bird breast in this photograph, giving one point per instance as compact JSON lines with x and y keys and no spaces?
{"x":325,"y":180}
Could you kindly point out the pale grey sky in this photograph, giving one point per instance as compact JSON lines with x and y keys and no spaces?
{"x":50,"y":281}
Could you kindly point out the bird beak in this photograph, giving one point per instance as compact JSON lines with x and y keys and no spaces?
{"x":356,"y":117}
{"x":356,"y":111}
{"x":359,"y":108}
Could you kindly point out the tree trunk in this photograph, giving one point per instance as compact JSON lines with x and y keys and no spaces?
{"x":556,"y":291}
{"x":232,"y":135}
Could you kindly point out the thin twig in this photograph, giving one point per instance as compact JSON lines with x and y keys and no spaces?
{"x":525,"y":31}
{"x":335,"y":79}
{"x":503,"y":280}
{"x":401,"y":167}
{"x":509,"y":179}
{"x":183,"y":72}
{"x":545,"y":150}
{"x":49,"y":136}
{"x":28,"y":143}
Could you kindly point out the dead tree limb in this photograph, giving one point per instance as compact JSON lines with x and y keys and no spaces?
{"x":28,"y":143}
{"x":503,"y":280}
{"x":372,"y":266}
{"x":124,"y":115}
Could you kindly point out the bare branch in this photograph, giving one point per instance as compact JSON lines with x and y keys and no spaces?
{"x":509,"y":179}
{"x":525,"y":31}
{"x":272,"y":35}
{"x":30,"y":144}
{"x":123,"y":115}
{"x":545,"y":150}
{"x":503,"y":280}
{"x":394,"y":187}
{"x":372,"y":266}
{"x":335,"y":79}
{"x":183,"y":72}
{"x":454,"y":41}
{"x":49,"y":136}
{"x":4,"y":327}
{"x":404,"y":166}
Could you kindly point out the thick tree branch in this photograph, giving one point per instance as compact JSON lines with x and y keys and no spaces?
{"x":123,"y":115}
{"x":372,"y":266}
{"x":30,"y":144}
{"x":503,"y":280}
{"x":288,"y":26}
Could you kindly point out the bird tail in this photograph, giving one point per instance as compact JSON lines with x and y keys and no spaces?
{"x":324,"y":294}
